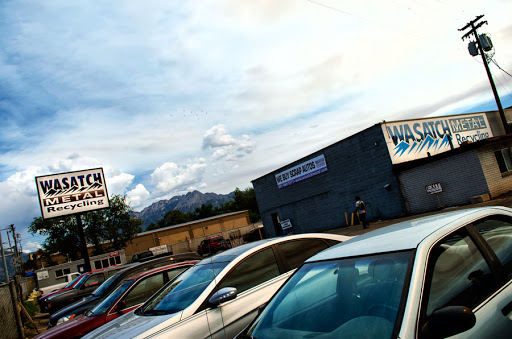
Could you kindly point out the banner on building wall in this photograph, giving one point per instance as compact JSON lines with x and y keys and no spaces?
{"x":72,"y":193}
{"x":414,"y":139}
{"x":302,"y":171}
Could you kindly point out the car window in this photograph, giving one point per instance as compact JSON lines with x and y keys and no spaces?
{"x":253,"y":271}
{"x":94,"y":280}
{"x":144,"y":289}
{"x":174,"y":273}
{"x":458,"y":274}
{"x":497,"y":232}
{"x":356,"y":297}
{"x":179,"y":293}
{"x":297,"y":251}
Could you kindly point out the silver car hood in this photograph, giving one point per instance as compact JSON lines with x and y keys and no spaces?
{"x":131,"y":325}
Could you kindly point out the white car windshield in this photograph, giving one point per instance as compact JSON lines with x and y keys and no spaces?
{"x":350,"y":298}
{"x":181,"y":292}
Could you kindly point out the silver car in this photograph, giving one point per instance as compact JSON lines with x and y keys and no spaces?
{"x":434,"y":277}
{"x":219,"y":296}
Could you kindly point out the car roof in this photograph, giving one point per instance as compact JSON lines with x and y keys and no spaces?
{"x":162,"y":268}
{"x":235,"y":252}
{"x":407,"y":234}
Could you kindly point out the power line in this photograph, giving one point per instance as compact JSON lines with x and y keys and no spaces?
{"x":333,"y":8}
{"x":494,"y":62}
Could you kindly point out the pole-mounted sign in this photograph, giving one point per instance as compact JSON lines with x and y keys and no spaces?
{"x":72,"y":192}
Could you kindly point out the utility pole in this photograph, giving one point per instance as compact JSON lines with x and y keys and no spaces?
{"x":14,"y":301}
{"x":17,"y":260}
{"x":474,"y":26}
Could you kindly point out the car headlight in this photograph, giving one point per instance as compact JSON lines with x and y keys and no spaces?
{"x":64,"y":319}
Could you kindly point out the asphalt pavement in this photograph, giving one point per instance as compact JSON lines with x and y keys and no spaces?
{"x":504,"y":200}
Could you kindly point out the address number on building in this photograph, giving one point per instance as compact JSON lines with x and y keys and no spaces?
{"x":434,"y":188}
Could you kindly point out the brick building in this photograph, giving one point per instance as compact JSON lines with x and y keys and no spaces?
{"x":389,"y":165}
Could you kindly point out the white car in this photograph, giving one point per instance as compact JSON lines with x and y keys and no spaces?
{"x":220,"y":295}
{"x":434,"y":277}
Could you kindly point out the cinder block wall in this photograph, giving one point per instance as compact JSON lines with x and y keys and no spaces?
{"x":358,"y":165}
{"x":461,"y":177}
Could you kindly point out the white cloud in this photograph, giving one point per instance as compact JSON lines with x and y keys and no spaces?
{"x":31,"y":246}
{"x":170,"y":177}
{"x":117,"y":184}
{"x":139,"y":197}
{"x":226,"y":147}
{"x":217,"y":137}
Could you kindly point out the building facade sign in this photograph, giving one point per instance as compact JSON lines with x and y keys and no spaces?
{"x":71,"y":193}
{"x":414,"y":139}
{"x":301,"y":172}
{"x":434,"y":188}
{"x":286,"y":224}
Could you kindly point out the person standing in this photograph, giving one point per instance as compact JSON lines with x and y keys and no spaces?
{"x":361,"y":211}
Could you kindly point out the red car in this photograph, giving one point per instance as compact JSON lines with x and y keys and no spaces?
{"x":130,"y":294}
{"x":213,"y":245}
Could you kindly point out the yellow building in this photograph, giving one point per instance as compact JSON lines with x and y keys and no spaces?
{"x":191,"y":232}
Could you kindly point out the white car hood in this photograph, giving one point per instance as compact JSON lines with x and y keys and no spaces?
{"x":131,"y":325}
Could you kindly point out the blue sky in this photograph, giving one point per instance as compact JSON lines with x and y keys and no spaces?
{"x":171,"y":96}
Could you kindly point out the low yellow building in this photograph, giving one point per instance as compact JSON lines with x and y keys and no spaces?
{"x":187,"y":231}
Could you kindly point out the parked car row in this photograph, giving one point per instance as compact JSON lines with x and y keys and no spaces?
{"x":447,"y":275}
{"x":89,"y":301}
{"x":243,"y":263}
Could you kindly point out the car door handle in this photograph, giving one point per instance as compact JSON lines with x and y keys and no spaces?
{"x":507,"y":309}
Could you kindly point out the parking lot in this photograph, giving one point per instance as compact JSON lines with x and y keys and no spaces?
{"x":42,"y":319}
{"x":505,"y":200}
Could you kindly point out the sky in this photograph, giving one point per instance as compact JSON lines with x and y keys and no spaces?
{"x":173,"y":96}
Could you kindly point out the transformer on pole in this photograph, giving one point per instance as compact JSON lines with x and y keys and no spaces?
{"x":481,"y":45}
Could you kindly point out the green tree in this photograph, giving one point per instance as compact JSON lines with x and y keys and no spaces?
{"x":205,"y":211}
{"x":107,"y":229}
{"x":61,"y":235}
{"x":245,"y":200}
{"x":119,"y":226}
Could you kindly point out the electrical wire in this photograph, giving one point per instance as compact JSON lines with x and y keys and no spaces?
{"x":494,"y":62}
{"x":333,"y":8}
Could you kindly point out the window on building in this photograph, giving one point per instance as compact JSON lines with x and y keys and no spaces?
{"x":97,"y":264}
{"x":62,"y":272}
{"x":504,"y":159}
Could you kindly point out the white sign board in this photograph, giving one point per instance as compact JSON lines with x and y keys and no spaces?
{"x":71,"y":193}
{"x":434,"y":188}
{"x":414,"y":139}
{"x":159,"y":249}
{"x":286,"y":224}
{"x":42,"y":275}
{"x":301,"y":172}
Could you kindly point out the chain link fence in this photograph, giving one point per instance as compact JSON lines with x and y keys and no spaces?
{"x":7,"y":315}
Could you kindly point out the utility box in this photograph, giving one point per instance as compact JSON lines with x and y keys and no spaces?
{"x":485,"y":42}
{"x":473,"y":50}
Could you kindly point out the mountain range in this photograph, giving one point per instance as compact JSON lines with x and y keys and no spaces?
{"x":184,"y":203}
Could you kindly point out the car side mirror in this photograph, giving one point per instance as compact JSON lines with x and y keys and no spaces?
{"x":223,"y":295}
{"x":448,"y":321}
{"x":120,"y":306}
